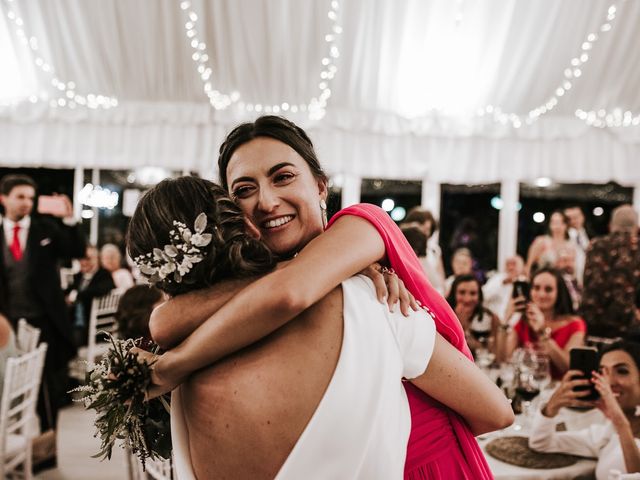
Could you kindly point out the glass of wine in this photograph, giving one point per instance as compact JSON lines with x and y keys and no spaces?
{"x":527,"y":389}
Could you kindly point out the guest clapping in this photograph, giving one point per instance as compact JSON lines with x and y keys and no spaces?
{"x":613,"y":443}
{"x":547,"y":321}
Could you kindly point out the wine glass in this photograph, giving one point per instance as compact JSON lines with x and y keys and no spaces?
{"x":527,"y":389}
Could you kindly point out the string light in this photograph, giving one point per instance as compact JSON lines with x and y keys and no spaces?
{"x":66,"y":95}
{"x":316,"y":107}
{"x":571,"y":73}
{"x":603,"y":118}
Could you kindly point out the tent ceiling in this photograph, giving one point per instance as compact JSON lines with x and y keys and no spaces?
{"x":411,"y":76}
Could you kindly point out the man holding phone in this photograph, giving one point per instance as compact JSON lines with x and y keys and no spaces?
{"x":30,"y":252}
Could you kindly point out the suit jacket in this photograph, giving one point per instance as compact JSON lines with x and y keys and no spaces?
{"x":49,"y":242}
{"x":100,"y":284}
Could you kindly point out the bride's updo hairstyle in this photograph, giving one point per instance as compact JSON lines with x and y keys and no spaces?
{"x":230,"y":253}
{"x":275,"y":127}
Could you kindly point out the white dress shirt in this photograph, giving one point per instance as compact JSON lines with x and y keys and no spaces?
{"x":24,"y":224}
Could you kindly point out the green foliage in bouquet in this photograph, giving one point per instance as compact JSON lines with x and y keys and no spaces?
{"x":115,"y":388}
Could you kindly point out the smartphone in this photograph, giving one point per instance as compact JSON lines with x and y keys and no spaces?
{"x":52,"y":205}
{"x":521,"y":289}
{"x":586,"y":360}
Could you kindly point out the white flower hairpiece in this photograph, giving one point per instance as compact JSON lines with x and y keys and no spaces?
{"x":177,"y":258}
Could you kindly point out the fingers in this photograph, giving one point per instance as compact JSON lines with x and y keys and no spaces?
{"x":393,"y":286}
{"x":407,"y":301}
{"x":374,"y":272}
{"x":380,"y":285}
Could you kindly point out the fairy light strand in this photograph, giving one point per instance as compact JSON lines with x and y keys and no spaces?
{"x":316,"y":107}
{"x":66,"y":94}
{"x":571,"y":73}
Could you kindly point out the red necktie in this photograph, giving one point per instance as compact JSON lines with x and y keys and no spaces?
{"x":15,"y":248}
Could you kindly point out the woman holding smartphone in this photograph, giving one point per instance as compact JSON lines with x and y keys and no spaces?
{"x":615,"y":443}
{"x":547,"y":322}
{"x":271,"y":170}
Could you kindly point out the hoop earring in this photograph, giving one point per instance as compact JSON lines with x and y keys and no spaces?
{"x":323,"y":212}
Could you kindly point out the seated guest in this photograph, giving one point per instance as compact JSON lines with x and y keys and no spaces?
{"x":614,"y":443}
{"x":7,"y":347}
{"x":91,"y":282}
{"x":480,"y":324}
{"x":499,"y":288}
{"x":418,"y":241}
{"x":461,"y":264}
{"x":134,"y":311}
{"x":111,"y":260}
{"x":547,"y":321}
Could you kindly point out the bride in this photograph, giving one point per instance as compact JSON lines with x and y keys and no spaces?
{"x":319,"y":398}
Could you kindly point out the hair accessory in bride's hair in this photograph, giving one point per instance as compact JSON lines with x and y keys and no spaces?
{"x":177,"y":258}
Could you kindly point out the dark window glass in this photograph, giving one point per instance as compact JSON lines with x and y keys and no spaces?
{"x":405,"y":194}
{"x":469,"y":220}
{"x":596,"y":202}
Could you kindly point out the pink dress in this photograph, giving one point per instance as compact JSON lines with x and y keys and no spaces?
{"x":441,"y":446}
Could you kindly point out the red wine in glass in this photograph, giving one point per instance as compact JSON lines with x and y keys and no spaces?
{"x":527,"y":393}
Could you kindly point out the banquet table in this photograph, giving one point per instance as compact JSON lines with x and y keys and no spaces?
{"x":583,"y":468}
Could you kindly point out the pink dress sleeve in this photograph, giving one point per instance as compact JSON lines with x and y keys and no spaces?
{"x":406,"y":264}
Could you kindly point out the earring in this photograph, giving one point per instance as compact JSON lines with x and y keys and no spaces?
{"x":323,"y":212}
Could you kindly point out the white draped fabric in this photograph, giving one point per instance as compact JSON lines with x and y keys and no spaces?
{"x":411,"y":76}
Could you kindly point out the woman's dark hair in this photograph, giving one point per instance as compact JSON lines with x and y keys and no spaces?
{"x":421,"y":215}
{"x":416,"y":238}
{"x":565,"y":219}
{"x":632,"y":348}
{"x":274,"y":127}
{"x":232,"y":253}
{"x":451,"y":299}
{"x":564,"y":302}
{"x":134,"y":310}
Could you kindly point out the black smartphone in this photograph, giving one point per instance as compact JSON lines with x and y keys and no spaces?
{"x":586,"y":360}
{"x":521,"y":289}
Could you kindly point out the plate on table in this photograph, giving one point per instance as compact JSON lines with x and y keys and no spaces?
{"x":515,"y":451}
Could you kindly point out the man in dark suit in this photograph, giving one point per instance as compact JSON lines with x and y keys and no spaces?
{"x":91,"y":282}
{"x":30,"y":252}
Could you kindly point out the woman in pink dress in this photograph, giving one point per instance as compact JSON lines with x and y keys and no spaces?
{"x":548,"y":322}
{"x":265,"y":165}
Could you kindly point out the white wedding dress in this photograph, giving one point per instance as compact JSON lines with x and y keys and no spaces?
{"x":361,"y":426}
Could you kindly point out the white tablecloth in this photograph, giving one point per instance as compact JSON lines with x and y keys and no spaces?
{"x":504,"y":471}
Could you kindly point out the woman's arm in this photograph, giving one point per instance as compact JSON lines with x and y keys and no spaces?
{"x":558,"y":355}
{"x":533,"y":255}
{"x":452,"y":379}
{"x":276,"y":298}
{"x":174,"y":320}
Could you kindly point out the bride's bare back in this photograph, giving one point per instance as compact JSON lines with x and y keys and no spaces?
{"x":246,"y":413}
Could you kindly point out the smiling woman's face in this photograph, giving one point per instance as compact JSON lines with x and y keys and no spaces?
{"x":276,"y":189}
{"x":622,"y":372}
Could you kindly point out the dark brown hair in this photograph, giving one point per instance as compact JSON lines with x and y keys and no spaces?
{"x":564,"y":303}
{"x":421,"y":215}
{"x":275,"y":127}
{"x":416,"y":238}
{"x":232,"y":253}
{"x":134,"y":310}
{"x":9,"y":182}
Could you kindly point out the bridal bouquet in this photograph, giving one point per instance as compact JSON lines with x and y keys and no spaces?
{"x":115,"y":388}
